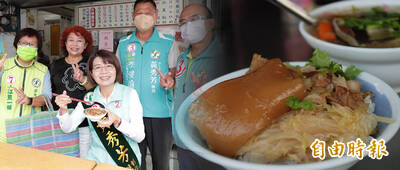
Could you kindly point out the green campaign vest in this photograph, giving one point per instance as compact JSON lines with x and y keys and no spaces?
{"x":30,"y":79}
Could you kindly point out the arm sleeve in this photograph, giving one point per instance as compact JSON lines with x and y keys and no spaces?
{"x":117,"y":54}
{"x":173,"y":54}
{"x":52,"y":74}
{"x":133,"y":128}
{"x":46,"y":89}
{"x":175,"y":51}
{"x":69,"y":122}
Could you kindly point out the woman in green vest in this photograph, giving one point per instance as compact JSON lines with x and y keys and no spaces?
{"x":23,"y":80}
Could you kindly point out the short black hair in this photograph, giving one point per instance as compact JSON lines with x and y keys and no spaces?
{"x":30,"y":32}
{"x":144,"y":1}
{"x":108,"y":58}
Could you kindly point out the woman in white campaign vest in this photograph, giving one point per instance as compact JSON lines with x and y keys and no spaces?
{"x":115,"y":138}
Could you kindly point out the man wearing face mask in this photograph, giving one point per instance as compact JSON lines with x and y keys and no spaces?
{"x":144,"y":59}
{"x":198,"y":64}
{"x":23,"y":80}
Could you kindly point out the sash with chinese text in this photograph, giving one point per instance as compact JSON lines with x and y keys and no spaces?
{"x":117,"y":146}
{"x":112,"y":139}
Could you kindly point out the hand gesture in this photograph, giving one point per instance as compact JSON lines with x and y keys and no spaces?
{"x":62,"y":101}
{"x":22,"y":98}
{"x":111,"y":119}
{"x":166,"y":81}
{"x":78,"y":74}
{"x":198,"y":82}
{"x":3,"y":60}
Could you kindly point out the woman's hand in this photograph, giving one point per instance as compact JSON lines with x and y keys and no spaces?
{"x":22,"y":98}
{"x":2,"y":61}
{"x":112,"y":119}
{"x":62,"y":101}
{"x":78,"y":74}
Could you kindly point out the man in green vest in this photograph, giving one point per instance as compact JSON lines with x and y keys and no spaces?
{"x":23,"y":80}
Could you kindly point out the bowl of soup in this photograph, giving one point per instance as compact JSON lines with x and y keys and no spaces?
{"x":387,"y":104}
{"x":361,"y":36}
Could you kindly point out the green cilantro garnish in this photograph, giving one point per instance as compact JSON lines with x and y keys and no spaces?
{"x":294,"y":103}
{"x":352,"y":72}
{"x":288,"y":65}
{"x":321,"y":59}
{"x":377,"y":18}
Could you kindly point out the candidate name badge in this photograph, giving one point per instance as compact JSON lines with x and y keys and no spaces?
{"x":96,"y":106}
{"x":36,"y":82}
{"x":155,"y":54}
{"x":11,"y":80}
{"x":88,"y":97}
{"x":131,"y":48}
{"x":181,"y":68}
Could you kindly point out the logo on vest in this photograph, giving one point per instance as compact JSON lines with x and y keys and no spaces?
{"x":96,"y":106}
{"x":117,"y":104}
{"x":131,"y":48}
{"x":36,"y":82}
{"x":155,"y":54}
{"x":88,"y":97}
{"x":11,"y":80}
{"x":181,"y":68}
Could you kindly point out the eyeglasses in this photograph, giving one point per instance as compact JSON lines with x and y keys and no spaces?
{"x":24,"y":43}
{"x":192,"y":18}
{"x":106,"y":67}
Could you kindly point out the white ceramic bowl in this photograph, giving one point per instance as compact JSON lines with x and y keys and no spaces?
{"x":382,"y":62}
{"x":386,"y":100}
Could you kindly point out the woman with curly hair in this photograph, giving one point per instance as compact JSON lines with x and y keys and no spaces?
{"x":69,"y":73}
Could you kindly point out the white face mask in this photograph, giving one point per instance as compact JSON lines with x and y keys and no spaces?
{"x":144,"y":22}
{"x":193,"y":31}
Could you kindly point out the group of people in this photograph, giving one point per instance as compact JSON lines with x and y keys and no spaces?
{"x":138,"y":86}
